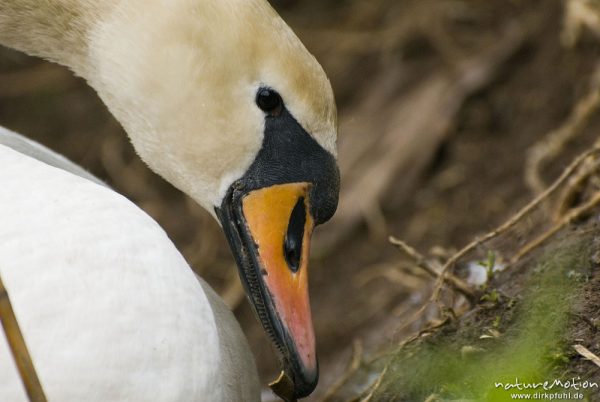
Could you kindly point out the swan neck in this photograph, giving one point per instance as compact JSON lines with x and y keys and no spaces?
{"x":57,"y":30}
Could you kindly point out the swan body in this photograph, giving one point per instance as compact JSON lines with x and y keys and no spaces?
{"x":109,"y":308}
{"x":221,"y":99}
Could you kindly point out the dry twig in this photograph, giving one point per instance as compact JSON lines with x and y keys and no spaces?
{"x":19,"y":350}
{"x":407,"y":341}
{"x":375,"y":385}
{"x":575,"y":187}
{"x":512,"y":221}
{"x":392,"y":273}
{"x":579,"y":14}
{"x":542,"y":152}
{"x":355,"y":363}
{"x":456,"y":283}
{"x":572,"y":215}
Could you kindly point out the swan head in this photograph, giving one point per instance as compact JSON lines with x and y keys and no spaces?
{"x":221,"y":99}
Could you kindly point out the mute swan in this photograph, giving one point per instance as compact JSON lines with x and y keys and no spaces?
{"x":221,"y":99}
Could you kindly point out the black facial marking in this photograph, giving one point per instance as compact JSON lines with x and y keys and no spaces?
{"x":290,"y":155}
{"x":292,"y":248}
{"x":269,"y":101}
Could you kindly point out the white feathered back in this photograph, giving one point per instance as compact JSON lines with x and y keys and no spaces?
{"x":109,"y":308}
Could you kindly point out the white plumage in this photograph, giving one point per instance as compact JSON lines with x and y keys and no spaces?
{"x":109,"y":308}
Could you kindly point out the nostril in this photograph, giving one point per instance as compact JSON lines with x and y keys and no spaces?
{"x":292,"y":253}
{"x":292,"y":247}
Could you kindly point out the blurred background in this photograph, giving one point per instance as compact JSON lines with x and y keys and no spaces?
{"x":441,"y":103}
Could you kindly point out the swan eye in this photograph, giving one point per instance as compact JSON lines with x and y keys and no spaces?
{"x":269,"y":101}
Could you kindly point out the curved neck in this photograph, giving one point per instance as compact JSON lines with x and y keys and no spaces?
{"x":53,"y":29}
{"x":158,"y":64}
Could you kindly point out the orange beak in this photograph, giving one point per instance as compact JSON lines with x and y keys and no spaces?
{"x":281,"y":227}
{"x":269,"y":230}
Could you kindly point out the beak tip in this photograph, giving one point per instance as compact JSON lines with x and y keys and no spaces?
{"x":307,"y":386}
{"x":293,"y":384}
{"x":305,"y":381}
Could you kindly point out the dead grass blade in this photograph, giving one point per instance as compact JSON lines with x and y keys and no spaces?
{"x":19,"y":350}
{"x":585,"y":352}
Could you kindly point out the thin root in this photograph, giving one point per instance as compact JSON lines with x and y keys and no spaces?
{"x":575,"y":187}
{"x":574,"y":214}
{"x":512,"y":221}
{"x":544,"y":151}
{"x":353,"y":366}
{"x":375,"y":385}
{"x":454,"y":282}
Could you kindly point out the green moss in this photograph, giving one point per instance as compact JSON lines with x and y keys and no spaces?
{"x":491,"y":296}
{"x":531,"y":348}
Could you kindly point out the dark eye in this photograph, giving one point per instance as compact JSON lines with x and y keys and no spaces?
{"x":269,"y":101}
